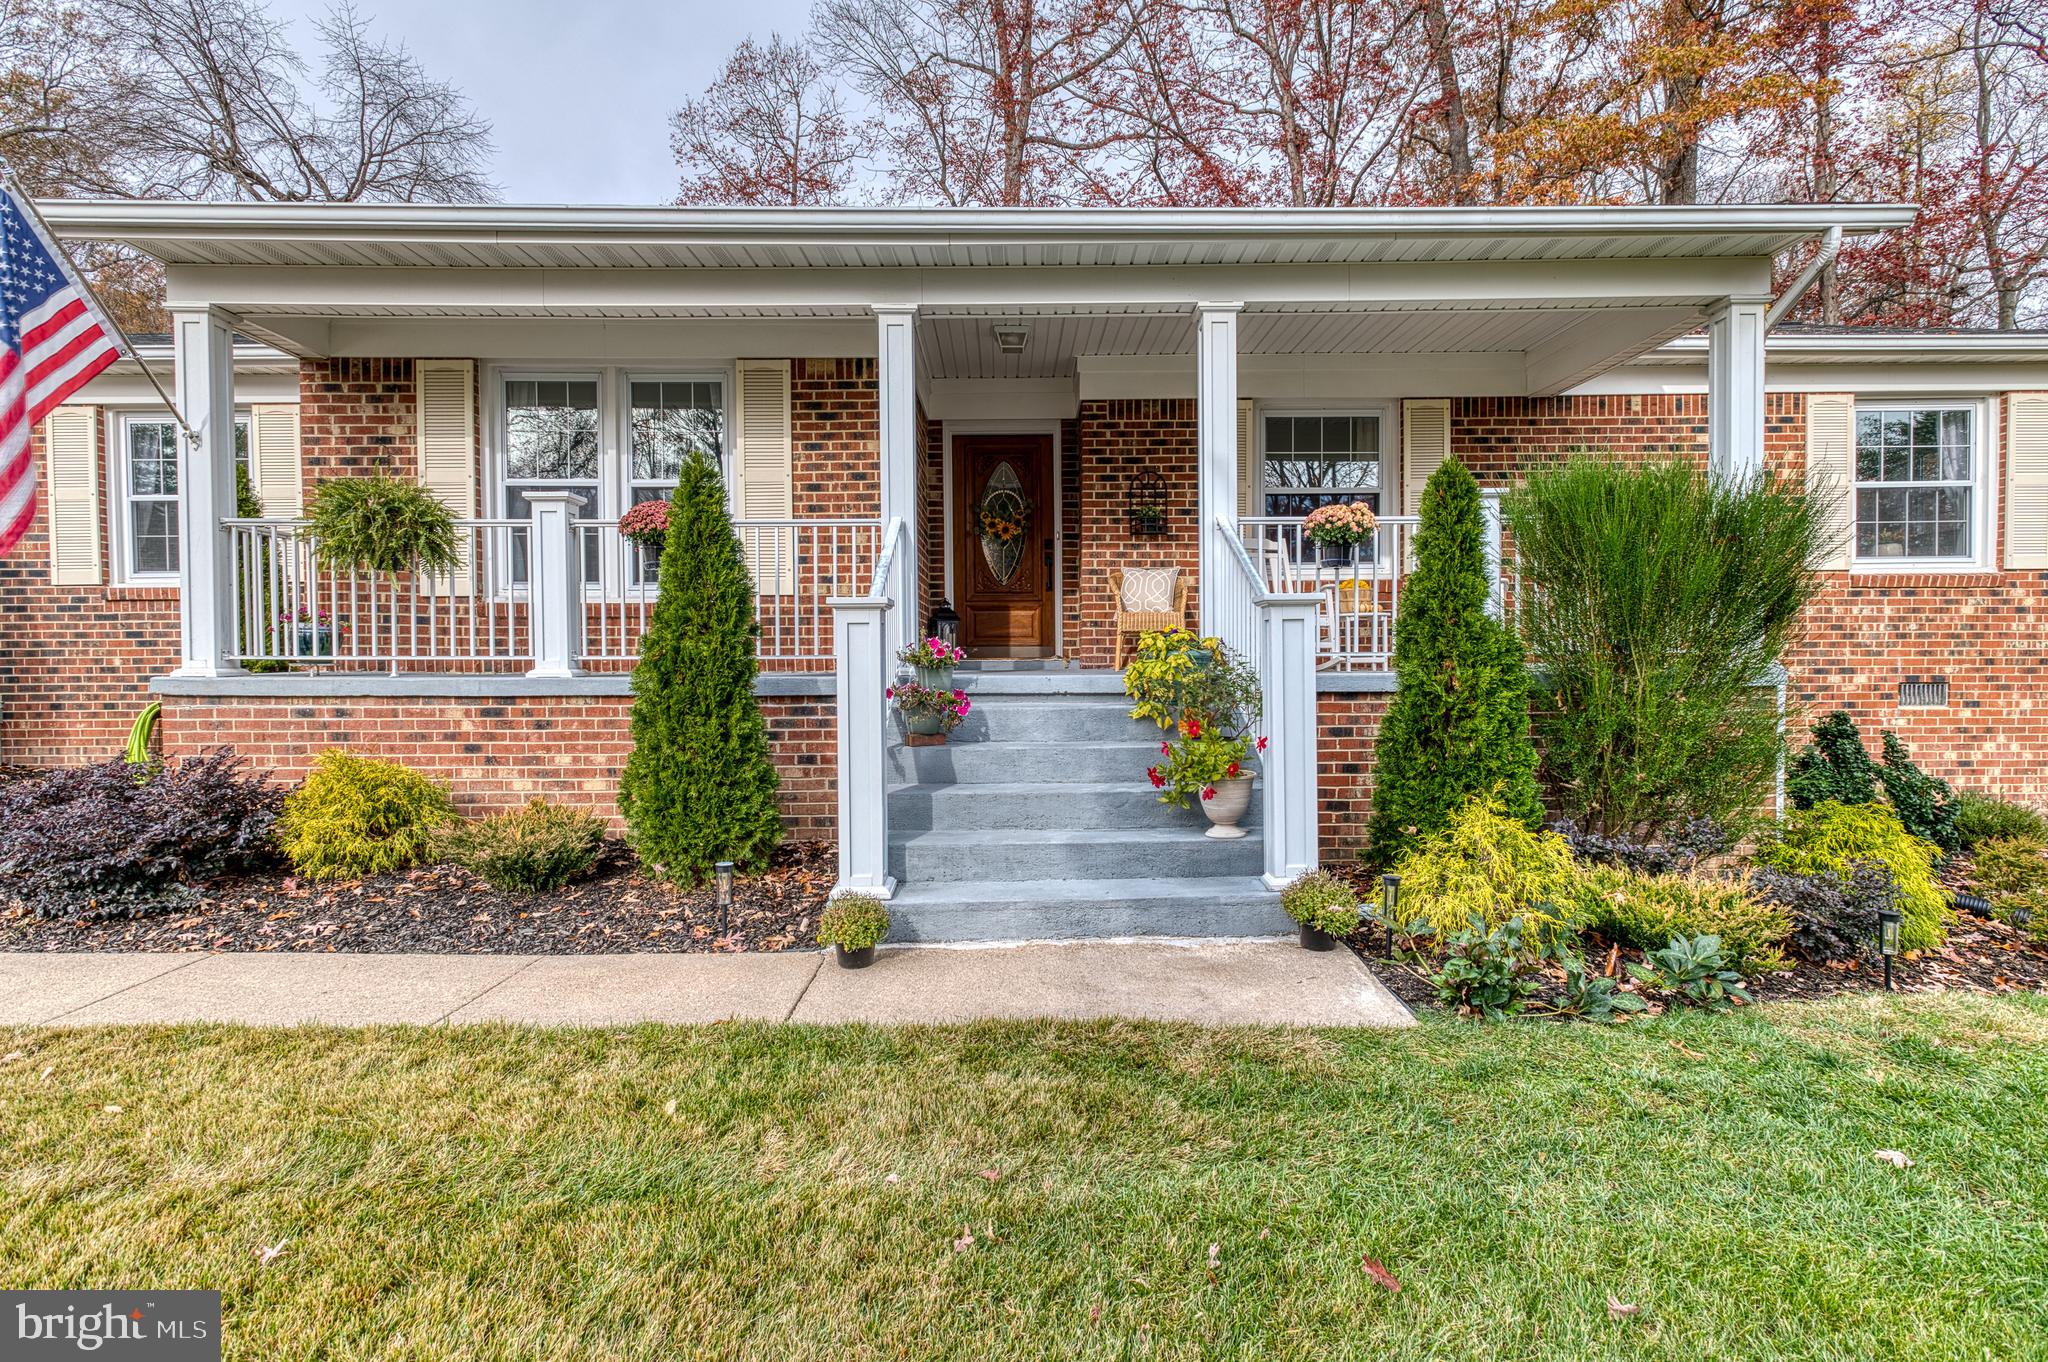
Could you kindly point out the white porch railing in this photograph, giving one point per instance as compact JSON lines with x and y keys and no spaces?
{"x":1278,"y":632}
{"x":545,"y":595}
{"x":862,"y":634}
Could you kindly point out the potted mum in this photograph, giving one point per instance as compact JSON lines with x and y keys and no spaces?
{"x":646,"y":524}
{"x":1323,"y":906}
{"x":1338,"y":528}
{"x":929,"y":712}
{"x":852,"y":925}
{"x":933,"y":660}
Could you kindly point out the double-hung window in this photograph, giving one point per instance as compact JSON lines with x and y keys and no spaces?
{"x":613,"y":436}
{"x":145,"y":480}
{"x":1314,"y":458}
{"x":1916,"y":484}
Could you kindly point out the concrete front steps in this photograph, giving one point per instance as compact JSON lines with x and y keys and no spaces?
{"x":1035,"y":821}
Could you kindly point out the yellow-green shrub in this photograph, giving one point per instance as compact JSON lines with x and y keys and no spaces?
{"x":1488,"y":865}
{"x":540,"y":847}
{"x":1645,"y":912}
{"x":2012,"y":872}
{"x":1833,"y":837}
{"x":359,"y":816}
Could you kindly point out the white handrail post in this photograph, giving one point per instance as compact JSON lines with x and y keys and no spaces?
{"x":861,"y":648}
{"x":896,"y":420}
{"x":1489,"y":514}
{"x":1287,"y":668}
{"x":554,"y":584}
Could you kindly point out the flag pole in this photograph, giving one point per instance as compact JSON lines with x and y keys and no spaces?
{"x":92,"y":301}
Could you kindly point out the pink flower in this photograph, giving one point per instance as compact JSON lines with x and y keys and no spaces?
{"x":1166,"y":749}
{"x":1194,"y":728}
{"x":959,"y":695}
{"x":961,"y":709}
{"x":889,"y":693}
{"x":1208,"y":792}
{"x":1158,"y":781}
{"x":1262,"y":743}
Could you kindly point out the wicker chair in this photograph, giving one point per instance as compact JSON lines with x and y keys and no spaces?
{"x":1146,"y":621}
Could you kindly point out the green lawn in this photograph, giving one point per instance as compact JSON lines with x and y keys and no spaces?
{"x":489,"y":1193}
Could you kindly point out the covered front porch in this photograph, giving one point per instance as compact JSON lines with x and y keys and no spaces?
{"x":1008,"y":413}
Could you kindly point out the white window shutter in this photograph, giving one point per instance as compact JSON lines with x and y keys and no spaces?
{"x":1830,"y":455}
{"x":1425,"y":444}
{"x":445,"y":398}
{"x":73,"y":487}
{"x":764,"y":483}
{"x":274,"y":460}
{"x":2026,"y":481}
{"x":1247,"y":461}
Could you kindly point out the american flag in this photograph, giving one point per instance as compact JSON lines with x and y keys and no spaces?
{"x":52,"y":341}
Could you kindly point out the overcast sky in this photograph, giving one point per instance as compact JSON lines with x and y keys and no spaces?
{"x":578,"y":92}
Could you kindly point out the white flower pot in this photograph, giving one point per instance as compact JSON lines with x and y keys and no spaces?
{"x":1233,"y":797}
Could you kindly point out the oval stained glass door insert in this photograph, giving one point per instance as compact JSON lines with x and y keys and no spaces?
{"x":1005,"y":515}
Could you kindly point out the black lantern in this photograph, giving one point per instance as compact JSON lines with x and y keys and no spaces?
{"x":1888,"y":920}
{"x":1390,"y":902}
{"x":944,"y":624}
{"x":721,"y":875}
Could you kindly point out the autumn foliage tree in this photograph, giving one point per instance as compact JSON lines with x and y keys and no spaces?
{"x":770,"y":129}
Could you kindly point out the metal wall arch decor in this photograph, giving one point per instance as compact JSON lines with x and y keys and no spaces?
{"x":1145,"y":502}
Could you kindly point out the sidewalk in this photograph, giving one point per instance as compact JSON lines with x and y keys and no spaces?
{"x":1264,"y":983}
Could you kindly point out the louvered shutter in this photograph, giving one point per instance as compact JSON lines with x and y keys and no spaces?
{"x":274,"y":460}
{"x":73,"y":487}
{"x":1247,"y":461}
{"x":445,"y":390}
{"x":1425,"y":444}
{"x":1830,"y":451}
{"x":763,"y":478}
{"x":2026,"y":481}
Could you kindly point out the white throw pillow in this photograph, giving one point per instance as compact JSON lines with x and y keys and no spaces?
{"x":1149,"y":589}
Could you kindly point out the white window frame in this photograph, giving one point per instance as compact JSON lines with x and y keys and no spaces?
{"x":614,"y":431}
{"x":1982,"y":484}
{"x":1261,"y":413}
{"x":121,"y":500}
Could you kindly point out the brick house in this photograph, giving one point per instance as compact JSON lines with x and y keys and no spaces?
{"x":869,"y":379}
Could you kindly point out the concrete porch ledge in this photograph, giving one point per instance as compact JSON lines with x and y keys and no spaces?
{"x":445,"y":685}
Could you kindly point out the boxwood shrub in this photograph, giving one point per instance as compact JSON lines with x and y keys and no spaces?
{"x":359,"y":816}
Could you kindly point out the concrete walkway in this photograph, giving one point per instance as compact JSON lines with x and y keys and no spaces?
{"x":1269,"y":983}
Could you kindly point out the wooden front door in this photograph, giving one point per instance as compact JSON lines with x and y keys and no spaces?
{"x":1002,"y":553}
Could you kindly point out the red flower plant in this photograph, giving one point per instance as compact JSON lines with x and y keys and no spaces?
{"x":1233,"y":769}
{"x":1208,"y":792}
{"x":1262,"y":742}
{"x":1158,"y":781}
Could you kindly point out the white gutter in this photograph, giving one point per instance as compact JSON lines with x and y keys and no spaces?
{"x":1830,"y":246}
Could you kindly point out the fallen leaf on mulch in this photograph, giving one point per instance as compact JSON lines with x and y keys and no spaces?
{"x":1378,"y":1272}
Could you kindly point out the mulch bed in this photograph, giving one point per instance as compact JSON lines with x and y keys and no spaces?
{"x":1980,"y":956}
{"x":446,"y":909}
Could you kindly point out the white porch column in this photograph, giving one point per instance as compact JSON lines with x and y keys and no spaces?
{"x":554,"y":584}
{"x":1216,"y":457}
{"x":862,"y":644}
{"x":204,"y":349}
{"x":1287,"y":637}
{"x":1735,"y":388}
{"x":896,"y":412}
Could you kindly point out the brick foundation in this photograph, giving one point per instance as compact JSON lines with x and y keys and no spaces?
{"x":495,"y":754}
{"x":1347,"y":727}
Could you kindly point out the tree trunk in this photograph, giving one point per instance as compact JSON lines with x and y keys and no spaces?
{"x":1436,"y":22}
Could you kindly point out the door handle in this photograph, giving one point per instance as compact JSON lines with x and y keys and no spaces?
{"x":1048,"y":555}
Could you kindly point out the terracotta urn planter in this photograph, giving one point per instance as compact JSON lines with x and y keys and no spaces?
{"x":1233,"y":796}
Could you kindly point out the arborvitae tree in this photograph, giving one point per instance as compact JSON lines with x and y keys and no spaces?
{"x":699,"y":787}
{"x":1459,"y":723}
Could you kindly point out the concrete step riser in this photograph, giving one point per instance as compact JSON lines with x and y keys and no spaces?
{"x":1004,"y":718}
{"x":968,"y":763}
{"x":1140,"y":857}
{"x":976,"y":807}
{"x":1037,"y":920}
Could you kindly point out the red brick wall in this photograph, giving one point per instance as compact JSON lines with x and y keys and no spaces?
{"x":1348,"y":726}
{"x":1118,"y":440}
{"x":835,"y":428}
{"x":357,"y":417}
{"x":75,"y":661}
{"x":1500,"y":437}
{"x":496,"y":754}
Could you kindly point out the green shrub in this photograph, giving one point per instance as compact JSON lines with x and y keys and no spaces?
{"x":1459,"y":722}
{"x":853,"y":922}
{"x":1692,"y":970}
{"x":1322,"y":901}
{"x":1644,"y":912}
{"x":380,"y":524}
{"x":1832,"y":837}
{"x":1655,"y":601}
{"x":359,"y":816}
{"x":1491,"y":867}
{"x":1487,"y":972}
{"x":1591,"y":997}
{"x":2012,"y":872}
{"x":1925,"y":805}
{"x":1981,"y":817}
{"x":540,"y":847}
{"x":698,"y":787}
{"x":1835,"y":768}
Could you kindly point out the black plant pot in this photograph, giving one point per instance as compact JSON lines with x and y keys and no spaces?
{"x":1335,"y":555}
{"x":1148,"y":525}
{"x":859,"y":959}
{"x":1315,"y":939}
